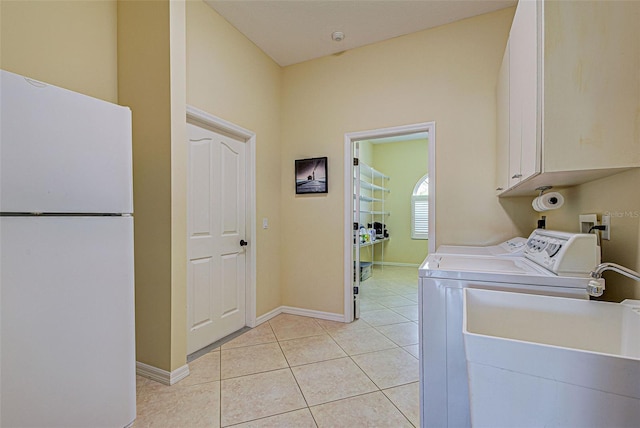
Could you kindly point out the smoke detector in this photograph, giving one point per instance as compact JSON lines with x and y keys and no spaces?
{"x":337,"y":36}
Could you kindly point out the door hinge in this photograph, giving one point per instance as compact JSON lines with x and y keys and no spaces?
{"x":356,"y":162}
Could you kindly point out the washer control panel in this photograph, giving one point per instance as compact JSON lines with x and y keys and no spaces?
{"x":563,"y":252}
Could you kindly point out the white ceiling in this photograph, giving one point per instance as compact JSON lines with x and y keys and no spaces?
{"x":292,"y":31}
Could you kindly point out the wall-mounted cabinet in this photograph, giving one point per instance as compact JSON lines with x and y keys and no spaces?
{"x":568,"y":95}
{"x":502,"y":124}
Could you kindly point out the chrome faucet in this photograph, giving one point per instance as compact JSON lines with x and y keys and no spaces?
{"x":596,"y":285}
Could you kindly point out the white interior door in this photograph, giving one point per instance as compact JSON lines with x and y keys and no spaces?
{"x":216,"y":237}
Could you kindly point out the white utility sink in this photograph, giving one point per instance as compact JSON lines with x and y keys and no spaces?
{"x":551,"y":361}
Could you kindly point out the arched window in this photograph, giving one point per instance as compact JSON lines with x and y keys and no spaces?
{"x":420,"y":209}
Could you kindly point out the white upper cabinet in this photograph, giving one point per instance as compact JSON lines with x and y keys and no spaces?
{"x":573,"y":94}
{"x":502,"y":125}
{"x":523,"y":83}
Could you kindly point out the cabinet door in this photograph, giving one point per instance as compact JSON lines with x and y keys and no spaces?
{"x":523,"y":73}
{"x":502,"y":125}
{"x":530,"y":153}
{"x":515,"y":101}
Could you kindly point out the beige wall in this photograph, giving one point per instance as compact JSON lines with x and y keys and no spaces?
{"x":447,"y":75}
{"x":619,"y":196}
{"x":405,"y":162}
{"x":151,"y":37}
{"x":229,"y":77}
{"x":71,"y":44}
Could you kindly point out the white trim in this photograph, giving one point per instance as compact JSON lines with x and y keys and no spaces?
{"x":349,"y":138}
{"x":397,"y":264}
{"x":299,"y":311}
{"x":162,"y":376}
{"x":202,"y":118}
{"x":271,"y":314}
{"x":432,"y":187}
{"x":348,"y":229}
{"x":313,"y":314}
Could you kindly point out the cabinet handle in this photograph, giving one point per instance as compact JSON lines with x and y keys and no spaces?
{"x":499,"y":188}
{"x":517,"y":176}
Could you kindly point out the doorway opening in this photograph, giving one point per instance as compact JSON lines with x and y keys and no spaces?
{"x":367,"y":204}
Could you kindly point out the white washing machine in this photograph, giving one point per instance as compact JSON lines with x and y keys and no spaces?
{"x":512,"y":248}
{"x":552,"y":263}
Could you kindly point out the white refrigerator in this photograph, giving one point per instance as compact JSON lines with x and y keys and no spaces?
{"x":67,"y":351}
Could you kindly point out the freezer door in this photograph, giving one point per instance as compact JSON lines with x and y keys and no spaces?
{"x":67,"y":298}
{"x":62,"y":152}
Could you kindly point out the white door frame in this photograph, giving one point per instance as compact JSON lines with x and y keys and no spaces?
{"x":216,"y":124}
{"x":349,"y":139}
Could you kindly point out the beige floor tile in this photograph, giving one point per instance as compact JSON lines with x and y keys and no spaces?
{"x":409,"y":312}
{"x":273,"y":398}
{"x":256,"y":336}
{"x":376,"y":293}
{"x":396,"y":273}
{"x":251,"y":359}
{"x":311,"y":350}
{"x":407,"y":399}
{"x":331,"y":380}
{"x":149,"y":386}
{"x":412,"y":297}
{"x":361,"y":341}
{"x":369,"y":410}
{"x":409,"y":284}
{"x":260,"y":395}
{"x":413,"y":350}
{"x":403,"y":334}
{"x":335,"y":326}
{"x":382,"y":317}
{"x":370,"y":305}
{"x":203,"y":369}
{"x":296,"y":419}
{"x":394,"y":301}
{"x":287,"y":326}
{"x":195,"y":406}
{"x":389,"y":368}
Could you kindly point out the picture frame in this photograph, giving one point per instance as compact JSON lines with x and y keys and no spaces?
{"x":311,"y":176}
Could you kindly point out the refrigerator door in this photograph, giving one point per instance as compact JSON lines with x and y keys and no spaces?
{"x":62,"y":152}
{"x":67,"y":298}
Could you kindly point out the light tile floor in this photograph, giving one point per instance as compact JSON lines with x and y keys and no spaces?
{"x":295,"y":371}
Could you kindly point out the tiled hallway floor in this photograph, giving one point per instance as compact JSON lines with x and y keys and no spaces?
{"x":295,"y":371}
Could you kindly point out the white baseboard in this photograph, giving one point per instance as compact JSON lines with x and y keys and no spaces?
{"x":298,"y":311}
{"x":162,"y":376}
{"x":396,"y":264}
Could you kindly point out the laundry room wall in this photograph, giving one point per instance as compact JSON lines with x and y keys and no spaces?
{"x":71,"y":44}
{"x":405,"y":162}
{"x":446,"y":75}
{"x":229,"y":77}
{"x":151,"y":36}
{"x":618,"y":196}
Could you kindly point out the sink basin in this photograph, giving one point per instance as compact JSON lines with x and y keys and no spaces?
{"x":551,"y":361}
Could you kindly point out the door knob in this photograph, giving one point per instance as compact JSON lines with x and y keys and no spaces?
{"x":243,"y":243}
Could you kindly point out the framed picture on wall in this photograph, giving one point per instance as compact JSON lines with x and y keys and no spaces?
{"x":311,"y":176}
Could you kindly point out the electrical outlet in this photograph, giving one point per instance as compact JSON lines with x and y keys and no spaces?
{"x":587,"y":221}
{"x":606,"y":222}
